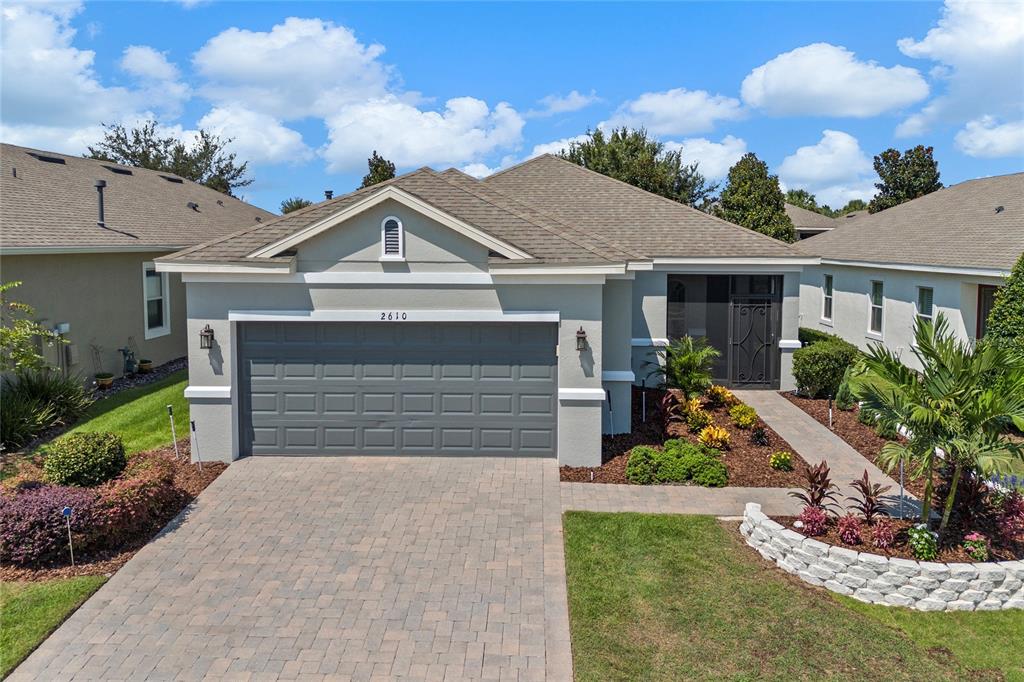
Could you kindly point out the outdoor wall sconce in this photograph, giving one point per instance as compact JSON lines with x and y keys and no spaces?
{"x":206,"y":337}
{"x":581,"y":340}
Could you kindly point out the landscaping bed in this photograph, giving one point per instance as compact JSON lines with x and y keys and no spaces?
{"x":746,"y":463}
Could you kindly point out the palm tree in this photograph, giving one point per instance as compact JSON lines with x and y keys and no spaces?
{"x":958,"y":407}
{"x":685,"y":364}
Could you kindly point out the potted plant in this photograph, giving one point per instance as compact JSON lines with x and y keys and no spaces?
{"x":145,"y":366}
{"x":104,"y":379}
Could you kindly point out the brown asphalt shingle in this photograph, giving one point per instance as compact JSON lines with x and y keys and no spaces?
{"x":53,"y":205}
{"x":803,"y":218}
{"x":958,"y":226}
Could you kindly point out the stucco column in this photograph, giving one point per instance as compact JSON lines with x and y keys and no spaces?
{"x":617,"y":375}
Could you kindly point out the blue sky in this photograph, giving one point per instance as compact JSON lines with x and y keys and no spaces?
{"x":308,"y":90}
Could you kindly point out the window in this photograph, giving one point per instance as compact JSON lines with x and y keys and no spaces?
{"x":826,"y":310}
{"x":986,"y":299}
{"x":877,"y":298}
{"x":392,"y":239}
{"x":924,"y":302}
{"x":157,"y":302}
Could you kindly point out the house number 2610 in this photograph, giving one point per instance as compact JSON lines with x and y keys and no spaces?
{"x":390,"y":317}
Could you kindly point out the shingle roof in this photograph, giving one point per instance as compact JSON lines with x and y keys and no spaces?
{"x":52,"y":204}
{"x":959,"y":226}
{"x":546,"y":207}
{"x":805,"y":219}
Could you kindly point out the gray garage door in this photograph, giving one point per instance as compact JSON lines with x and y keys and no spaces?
{"x":398,"y":388}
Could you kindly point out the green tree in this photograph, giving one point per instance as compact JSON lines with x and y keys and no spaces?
{"x":904,"y":177}
{"x":639,"y":160}
{"x":961,"y":403}
{"x":1005,"y":324}
{"x":752,"y":198}
{"x":380,"y":169}
{"x":21,"y":337}
{"x":294,"y":204}
{"x":851,"y":206}
{"x":205,"y":160}
{"x":803,"y":199}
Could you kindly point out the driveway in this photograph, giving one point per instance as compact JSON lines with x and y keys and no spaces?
{"x":341,"y":568}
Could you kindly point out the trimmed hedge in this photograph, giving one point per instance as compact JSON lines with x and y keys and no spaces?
{"x":820,"y":367}
{"x":85,"y":459}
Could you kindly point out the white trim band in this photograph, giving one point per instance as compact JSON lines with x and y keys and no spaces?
{"x":647,"y":343}
{"x":789,"y":344}
{"x":350,"y":277}
{"x":219,"y":392}
{"x":618,"y":376}
{"x":398,"y":315}
{"x":583,"y":394}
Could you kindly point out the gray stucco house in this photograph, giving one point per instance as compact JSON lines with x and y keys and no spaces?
{"x":440,"y":314}
{"x":92,"y":276}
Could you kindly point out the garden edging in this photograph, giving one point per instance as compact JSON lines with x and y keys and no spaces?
{"x":876,"y":579}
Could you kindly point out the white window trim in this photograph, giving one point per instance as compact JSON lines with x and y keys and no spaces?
{"x":917,"y":304}
{"x":165,"y":289}
{"x":825,"y":296}
{"x":384,"y":255}
{"x":871,"y":306}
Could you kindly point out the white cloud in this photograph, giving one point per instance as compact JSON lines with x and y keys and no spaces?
{"x":828,"y":80}
{"x":835,"y":169}
{"x":479,"y":170}
{"x":466,"y":130}
{"x":675,"y":112}
{"x":562,"y":104}
{"x":714,"y":158}
{"x":555,"y":146}
{"x":984,"y":137}
{"x":145,"y":62}
{"x":978,"y":48}
{"x":257,"y":137}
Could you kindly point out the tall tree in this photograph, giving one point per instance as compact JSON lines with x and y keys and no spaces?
{"x":380,"y":169}
{"x":904,"y":177}
{"x":851,"y":206}
{"x":752,"y":198}
{"x":803,"y":199}
{"x":635,"y":158}
{"x":206,"y":160}
{"x":1006,"y":320}
{"x":294,"y":204}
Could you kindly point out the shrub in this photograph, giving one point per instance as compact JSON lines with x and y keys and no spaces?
{"x":976,"y":546}
{"x":867,"y":417}
{"x":710,"y":472}
{"x":759,"y":436}
{"x":886,"y":430}
{"x":869,"y":497}
{"x":681,"y":461}
{"x":844,"y":395}
{"x":720,"y":395}
{"x":1010,"y":515}
{"x":694,"y":404}
{"x":714,"y":437}
{"x":85,"y":459}
{"x":642,"y":465}
{"x":819,"y":368}
{"x":924,"y":544}
{"x":814,"y":520}
{"x":883,"y":533}
{"x":810,"y":336}
{"x":138,"y":502}
{"x":1006,"y":319}
{"x":33,"y":530}
{"x":698,"y":419}
{"x":66,"y":395}
{"x":672,"y":410}
{"x":781,"y":461}
{"x":22,"y":419}
{"x":819,"y":491}
{"x":743,"y":416}
{"x":849,"y":529}
{"x":685,"y":364}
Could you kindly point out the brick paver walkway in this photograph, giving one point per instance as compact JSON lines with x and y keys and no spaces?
{"x":340,"y":568}
{"x":675,"y":499}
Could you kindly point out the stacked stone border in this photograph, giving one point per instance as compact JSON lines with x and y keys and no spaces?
{"x":921,"y":585}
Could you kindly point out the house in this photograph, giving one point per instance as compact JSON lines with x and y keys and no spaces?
{"x":81,"y":235}
{"x":809,"y":223}
{"x":440,"y":314}
{"x":946,"y":252}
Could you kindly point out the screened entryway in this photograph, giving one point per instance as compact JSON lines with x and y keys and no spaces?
{"x":740,"y":315}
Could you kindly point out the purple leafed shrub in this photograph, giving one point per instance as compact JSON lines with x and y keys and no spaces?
{"x":32,"y":529}
{"x":883,"y":533}
{"x":815,"y":520}
{"x":1010,"y":515}
{"x":849,"y":529}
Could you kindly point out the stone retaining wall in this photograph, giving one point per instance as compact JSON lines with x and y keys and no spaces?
{"x":922,"y":585}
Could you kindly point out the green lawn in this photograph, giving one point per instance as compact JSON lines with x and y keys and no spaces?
{"x":31,"y":611}
{"x":139,"y":415}
{"x":656,"y":597}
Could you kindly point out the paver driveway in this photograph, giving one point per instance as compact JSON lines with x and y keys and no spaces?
{"x":342,"y":568}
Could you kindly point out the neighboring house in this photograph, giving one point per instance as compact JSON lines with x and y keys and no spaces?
{"x":946,"y":252}
{"x":439,"y":314}
{"x":809,"y":223}
{"x":89,"y":272}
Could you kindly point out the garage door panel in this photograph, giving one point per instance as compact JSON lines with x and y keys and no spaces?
{"x":368,"y":388}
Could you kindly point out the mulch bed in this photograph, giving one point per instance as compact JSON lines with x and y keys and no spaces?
{"x":746,"y":463}
{"x":188,"y":479}
{"x":948,"y":553}
{"x":860,"y":437}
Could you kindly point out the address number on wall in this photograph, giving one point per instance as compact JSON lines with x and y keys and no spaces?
{"x":393,"y":316}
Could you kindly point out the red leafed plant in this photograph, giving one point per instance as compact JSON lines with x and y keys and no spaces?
{"x":868,"y":500}
{"x":672,"y":408}
{"x":815,"y":520}
{"x":819,"y":490}
{"x":849,"y":529}
{"x":1010,"y":517}
{"x":883,"y":533}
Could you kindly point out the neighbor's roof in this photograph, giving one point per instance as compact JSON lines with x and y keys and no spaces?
{"x":975,"y":224}
{"x":549,"y":208}
{"x":806,"y":219}
{"x":49,"y":201}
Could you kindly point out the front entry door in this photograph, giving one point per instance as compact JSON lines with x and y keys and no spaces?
{"x":752,"y":356}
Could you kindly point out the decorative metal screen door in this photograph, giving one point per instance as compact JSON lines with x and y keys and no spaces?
{"x":751,"y":342}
